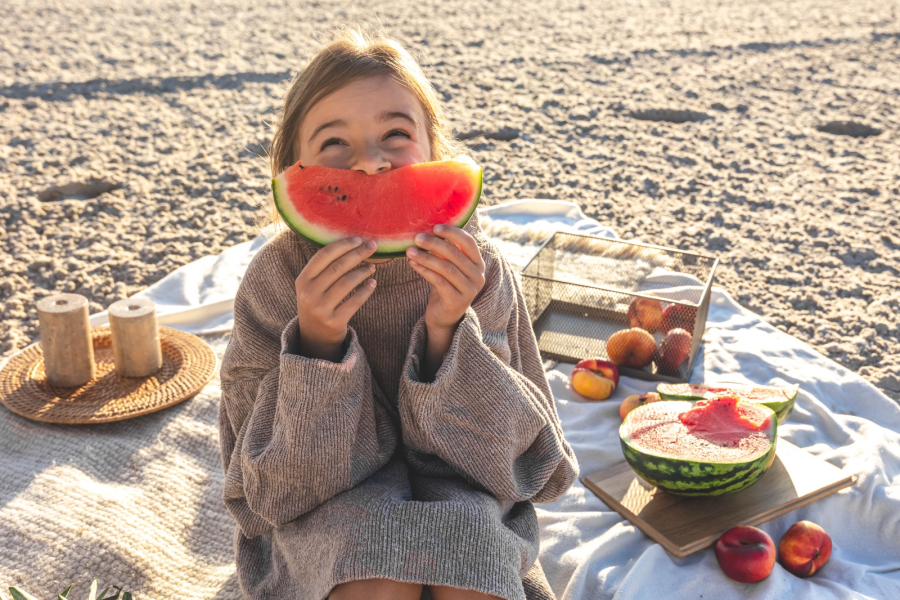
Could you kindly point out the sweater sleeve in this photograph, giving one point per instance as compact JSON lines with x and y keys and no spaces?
{"x":489,"y":413}
{"x":294,"y":431}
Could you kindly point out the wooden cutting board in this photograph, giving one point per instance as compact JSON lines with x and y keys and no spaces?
{"x":684,"y":525}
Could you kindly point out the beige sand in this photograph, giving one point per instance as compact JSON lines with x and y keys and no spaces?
{"x":763,"y":132}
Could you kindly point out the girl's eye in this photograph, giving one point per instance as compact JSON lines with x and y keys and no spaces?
{"x":395,"y":132}
{"x":330,"y":142}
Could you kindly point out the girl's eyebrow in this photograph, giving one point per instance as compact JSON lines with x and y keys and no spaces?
{"x":382,"y":118}
{"x":389,"y":115}
{"x":335,"y":123}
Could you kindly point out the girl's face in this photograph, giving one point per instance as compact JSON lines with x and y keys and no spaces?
{"x":372,"y":125}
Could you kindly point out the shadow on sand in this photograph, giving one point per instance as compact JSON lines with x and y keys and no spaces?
{"x":60,"y":91}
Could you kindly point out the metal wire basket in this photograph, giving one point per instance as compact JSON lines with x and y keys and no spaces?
{"x":582,"y":290}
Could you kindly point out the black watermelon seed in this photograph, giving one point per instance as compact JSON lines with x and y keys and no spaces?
{"x":344,"y":197}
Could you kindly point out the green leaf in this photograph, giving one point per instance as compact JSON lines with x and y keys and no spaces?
{"x":102,"y":595}
{"x":65,"y":594}
{"x":127,"y":596}
{"x":18,"y":594}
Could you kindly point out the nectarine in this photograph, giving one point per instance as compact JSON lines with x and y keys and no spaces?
{"x":679,"y":316}
{"x":673,"y":350}
{"x":746,"y":554}
{"x":804,"y":548}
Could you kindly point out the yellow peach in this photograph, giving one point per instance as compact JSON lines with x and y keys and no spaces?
{"x":604,"y":367}
{"x":631,"y":348}
{"x":591,"y":384}
{"x":632,"y":402}
{"x":646,"y":313}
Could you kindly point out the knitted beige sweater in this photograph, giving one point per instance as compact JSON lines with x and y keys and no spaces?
{"x":353,"y":470}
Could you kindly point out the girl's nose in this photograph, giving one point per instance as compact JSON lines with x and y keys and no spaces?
{"x":370,"y":160}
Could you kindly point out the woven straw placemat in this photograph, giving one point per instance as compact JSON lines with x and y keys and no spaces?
{"x":188,"y":365}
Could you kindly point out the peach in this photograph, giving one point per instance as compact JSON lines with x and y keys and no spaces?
{"x":591,"y":385}
{"x":595,"y":378}
{"x":678,"y":316}
{"x":746,"y":554}
{"x":645,"y":313}
{"x":604,"y":367}
{"x":673,"y":350}
{"x":631,"y":348}
{"x":632,"y":402}
{"x":804,"y":548}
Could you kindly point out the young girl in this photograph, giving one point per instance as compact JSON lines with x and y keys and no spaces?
{"x":385,"y":424}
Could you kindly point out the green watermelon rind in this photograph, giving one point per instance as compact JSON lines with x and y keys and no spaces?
{"x":695,"y":478}
{"x":322,"y":237}
{"x":685,"y":391}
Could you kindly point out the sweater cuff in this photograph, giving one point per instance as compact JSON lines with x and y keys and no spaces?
{"x":468,"y":331}
{"x":326,"y":372}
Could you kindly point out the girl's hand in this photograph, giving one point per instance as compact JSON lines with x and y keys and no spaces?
{"x":454,"y":268}
{"x":321,"y":288}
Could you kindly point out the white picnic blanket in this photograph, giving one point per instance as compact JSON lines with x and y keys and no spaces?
{"x":138,"y":503}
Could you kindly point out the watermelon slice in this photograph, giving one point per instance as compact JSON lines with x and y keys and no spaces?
{"x":324,"y":204}
{"x":710,"y":448}
{"x":779,"y":399}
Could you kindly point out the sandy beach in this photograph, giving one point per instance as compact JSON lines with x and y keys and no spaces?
{"x":133,"y":138}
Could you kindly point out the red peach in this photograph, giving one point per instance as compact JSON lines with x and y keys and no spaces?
{"x":678,"y":316}
{"x":631,"y":348}
{"x":604,"y":367}
{"x":632,"y":402}
{"x":746,"y":554}
{"x":645,"y":313}
{"x":673,"y":350}
{"x":804,"y":548}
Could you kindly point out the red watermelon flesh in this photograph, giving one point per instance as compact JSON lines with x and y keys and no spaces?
{"x":324,"y":204}
{"x":723,"y":421}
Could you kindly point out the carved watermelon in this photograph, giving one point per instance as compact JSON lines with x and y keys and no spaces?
{"x":710,"y":448}
{"x":324,"y":204}
{"x":779,"y":399}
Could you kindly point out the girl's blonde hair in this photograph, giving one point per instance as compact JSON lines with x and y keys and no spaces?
{"x":353,"y":54}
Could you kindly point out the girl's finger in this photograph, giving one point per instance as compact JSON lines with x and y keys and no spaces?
{"x":450,"y":272}
{"x":343,"y":286}
{"x":344,"y":264}
{"x":450,"y":252}
{"x":327,"y":254}
{"x":347,"y":252}
{"x":447,"y":289}
{"x":352,"y":304}
{"x":463,"y":240}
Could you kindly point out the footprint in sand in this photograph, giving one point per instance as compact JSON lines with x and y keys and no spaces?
{"x":78,"y":190}
{"x":669,"y":115}
{"x":851,"y":128}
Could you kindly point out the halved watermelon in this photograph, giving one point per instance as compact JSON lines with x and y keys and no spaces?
{"x":710,"y":448}
{"x":779,"y":399}
{"x":324,"y":204}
